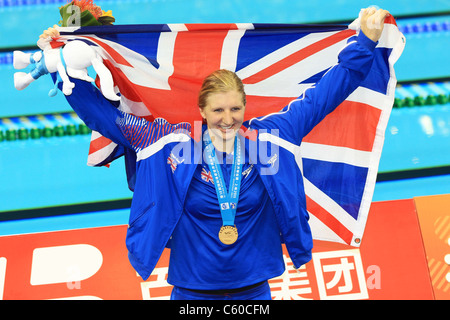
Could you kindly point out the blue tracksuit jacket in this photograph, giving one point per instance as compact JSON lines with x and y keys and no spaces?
{"x":160,"y":190}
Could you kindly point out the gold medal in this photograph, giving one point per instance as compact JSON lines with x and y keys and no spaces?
{"x":228,"y":234}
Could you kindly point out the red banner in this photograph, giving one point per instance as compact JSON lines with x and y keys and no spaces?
{"x":434,"y":217}
{"x":93,"y":264}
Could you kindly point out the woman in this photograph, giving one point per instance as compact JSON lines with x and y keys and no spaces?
{"x":225,"y":204}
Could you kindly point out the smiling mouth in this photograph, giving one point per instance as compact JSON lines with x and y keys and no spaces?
{"x":226,"y":128}
{"x":226,"y":132}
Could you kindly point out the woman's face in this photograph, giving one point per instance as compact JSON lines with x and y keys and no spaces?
{"x":224,"y":114}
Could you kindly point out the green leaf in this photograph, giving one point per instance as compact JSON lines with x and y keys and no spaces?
{"x":71,"y":17}
{"x":106,"y":20}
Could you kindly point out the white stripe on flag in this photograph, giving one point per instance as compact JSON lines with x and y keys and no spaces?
{"x":230,"y":49}
{"x":137,"y":108}
{"x":282,"y":53}
{"x":390,"y":37}
{"x":335,"y":154}
{"x":95,"y":135}
{"x":175,"y":27}
{"x":320,"y":231}
{"x":99,"y":156}
{"x":369,"y":97}
{"x":281,"y":84}
{"x":141,"y":72}
{"x":329,"y":205}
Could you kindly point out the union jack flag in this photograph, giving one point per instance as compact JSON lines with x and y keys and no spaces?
{"x":158,"y":70}
{"x":206,"y":176}
{"x":172,"y":162}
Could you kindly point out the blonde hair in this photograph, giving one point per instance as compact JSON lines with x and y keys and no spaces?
{"x":220,"y":81}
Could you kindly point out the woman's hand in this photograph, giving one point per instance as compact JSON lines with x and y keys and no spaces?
{"x":47,"y":36}
{"x":51,"y":32}
{"x":372,"y":22}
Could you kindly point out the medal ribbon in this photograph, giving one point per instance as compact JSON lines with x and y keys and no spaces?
{"x":227,"y":200}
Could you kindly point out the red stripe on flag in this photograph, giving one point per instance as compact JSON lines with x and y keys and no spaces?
{"x":98,"y":143}
{"x":390,"y":19}
{"x":352,"y":125}
{"x":196,"y":55}
{"x":55,"y":43}
{"x":298,"y":56}
{"x":331,"y":222}
{"x":197,"y":52}
{"x":258,"y":106}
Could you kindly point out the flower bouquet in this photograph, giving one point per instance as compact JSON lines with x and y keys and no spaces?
{"x":82,"y":13}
